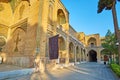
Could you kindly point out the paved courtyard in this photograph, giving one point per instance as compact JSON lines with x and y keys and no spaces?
{"x":95,"y":71}
{"x":84,"y":71}
{"x":4,"y":67}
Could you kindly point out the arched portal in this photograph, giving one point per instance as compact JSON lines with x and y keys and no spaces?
{"x":62,"y":47}
{"x":71,"y":52}
{"x":92,"y":56}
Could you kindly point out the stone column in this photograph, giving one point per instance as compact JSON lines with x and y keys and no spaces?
{"x":83,"y":54}
{"x":75,"y":54}
{"x":67,"y":52}
{"x":98,"y":55}
{"x":80,"y":54}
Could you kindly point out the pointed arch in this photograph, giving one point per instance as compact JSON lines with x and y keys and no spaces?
{"x":71,"y":52}
{"x":62,"y":48}
{"x":15,"y":3}
{"x":92,"y":56}
{"x":92,"y":42}
{"x":61,"y":17}
{"x":18,"y":40}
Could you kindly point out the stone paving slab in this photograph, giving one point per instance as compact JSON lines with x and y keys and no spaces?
{"x":15,"y":73}
{"x":11,"y":71}
{"x":7,"y":67}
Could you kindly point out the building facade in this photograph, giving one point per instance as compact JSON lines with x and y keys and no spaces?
{"x":27,"y":25}
{"x":93,"y":46}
